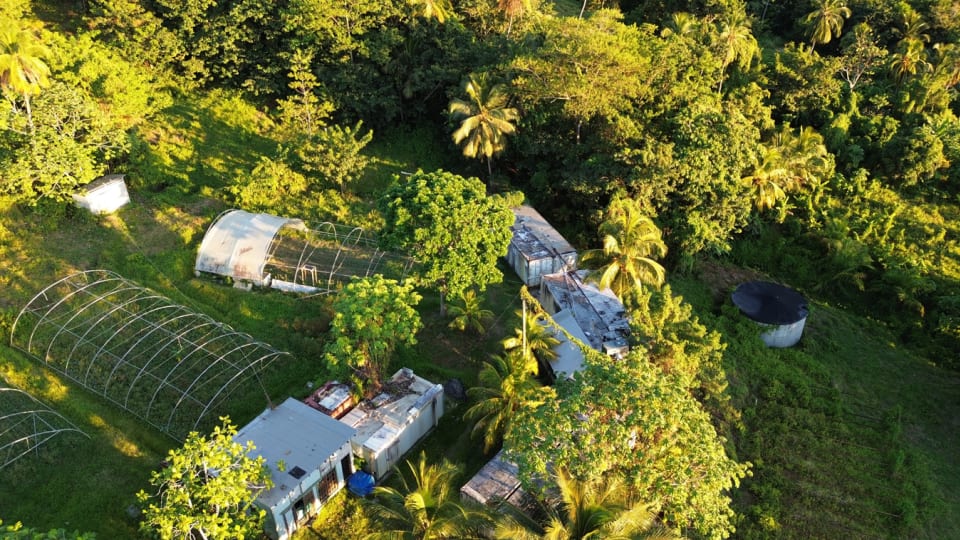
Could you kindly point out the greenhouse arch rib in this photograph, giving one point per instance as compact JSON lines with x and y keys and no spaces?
{"x":162,"y":362}
{"x":13,"y":431}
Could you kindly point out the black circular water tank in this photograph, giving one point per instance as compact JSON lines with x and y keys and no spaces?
{"x":770,"y":303}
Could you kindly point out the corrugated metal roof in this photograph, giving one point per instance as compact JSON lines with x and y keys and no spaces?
{"x":495,"y":482}
{"x":600,"y":314}
{"x":534,"y":237}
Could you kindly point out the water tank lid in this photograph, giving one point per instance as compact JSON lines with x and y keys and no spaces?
{"x":770,"y":303}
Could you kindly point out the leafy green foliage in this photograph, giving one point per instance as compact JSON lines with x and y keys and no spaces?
{"x":424,"y":506}
{"x":448,"y":223}
{"x":626,"y":418}
{"x":372,"y":317}
{"x":603,"y":507}
{"x":468,"y":313}
{"x":506,"y":383}
{"x":206,"y":489}
{"x":335,"y":153}
{"x":18,"y":532}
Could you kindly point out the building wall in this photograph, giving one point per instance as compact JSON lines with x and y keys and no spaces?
{"x":305,"y":500}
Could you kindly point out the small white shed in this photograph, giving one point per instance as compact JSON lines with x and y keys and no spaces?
{"x":391,"y":423}
{"x":308,"y":454}
{"x":104,"y":195}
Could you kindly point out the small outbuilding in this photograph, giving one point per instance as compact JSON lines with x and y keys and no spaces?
{"x":537,"y":248}
{"x":104,"y":195}
{"x":391,"y":423}
{"x":772,"y":305}
{"x":308,"y":454}
{"x":497,"y":482}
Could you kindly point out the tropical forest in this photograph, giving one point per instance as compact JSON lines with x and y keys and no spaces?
{"x":682,"y":147}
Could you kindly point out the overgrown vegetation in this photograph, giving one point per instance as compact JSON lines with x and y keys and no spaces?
{"x":815,"y":143}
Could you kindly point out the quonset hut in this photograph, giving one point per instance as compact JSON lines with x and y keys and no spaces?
{"x":776,"y":306}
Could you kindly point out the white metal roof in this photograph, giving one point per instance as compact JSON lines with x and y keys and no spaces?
{"x":569,"y":356}
{"x":299,"y":436}
{"x":237,"y":244}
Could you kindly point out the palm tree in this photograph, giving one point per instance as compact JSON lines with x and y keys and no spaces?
{"x":469,"y":313}
{"x":914,"y":28}
{"x":506,"y":383}
{"x":631,"y":242}
{"x":680,"y":24}
{"x":513,"y":8}
{"x":736,"y":42}
{"x":790,"y":162}
{"x":538,"y":337}
{"x":909,"y":59}
{"x":441,"y":10}
{"x":425,"y":507}
{"x":601,"y":508}
{"x":22,"y":70}
{"x":485,"y":119}
{"x":826,"y":20}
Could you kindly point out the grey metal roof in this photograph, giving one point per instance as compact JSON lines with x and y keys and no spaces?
{"x":534,"y":237}
{"x":299,"y":436}
{"x":495,"y":482}
{"x":600,"y":314}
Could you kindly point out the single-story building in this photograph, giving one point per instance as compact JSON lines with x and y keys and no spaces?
{"x":537,"y":248}
{"x":495,"y":483}
{"x":309,"y":458}
{"x":569,"y":358}
{"x":391,"y":423}
{"x":599,"y":313}
{"x":104,"y":195}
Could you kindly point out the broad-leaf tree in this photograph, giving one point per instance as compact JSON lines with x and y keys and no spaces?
{"x":631,"y":246}
{"x":505,"y":383}
{"x":206,"y":489}
{"x":454,"y":230}
{"x":372,"y":317}
{"x":425,"y":505}
{"x":485,"y":119}
{"x":627,"y":418}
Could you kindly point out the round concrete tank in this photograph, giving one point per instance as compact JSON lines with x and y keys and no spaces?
{"x":772,"y":305}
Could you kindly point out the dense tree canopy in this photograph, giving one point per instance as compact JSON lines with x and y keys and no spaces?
{"x":206,"y":489}
{"x":449,"y":224}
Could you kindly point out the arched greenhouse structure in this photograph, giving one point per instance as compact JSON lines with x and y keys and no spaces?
{"x":283,"y":253}
{"x":163,"y":362}
{"x":26,"y":424}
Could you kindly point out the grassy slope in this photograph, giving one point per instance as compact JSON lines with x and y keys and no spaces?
{"x":849,"y":434}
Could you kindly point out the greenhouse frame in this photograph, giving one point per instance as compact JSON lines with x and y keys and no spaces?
{"x":26,"y":424}
{"x":162,"y":362}
{"x":283,"y":253}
